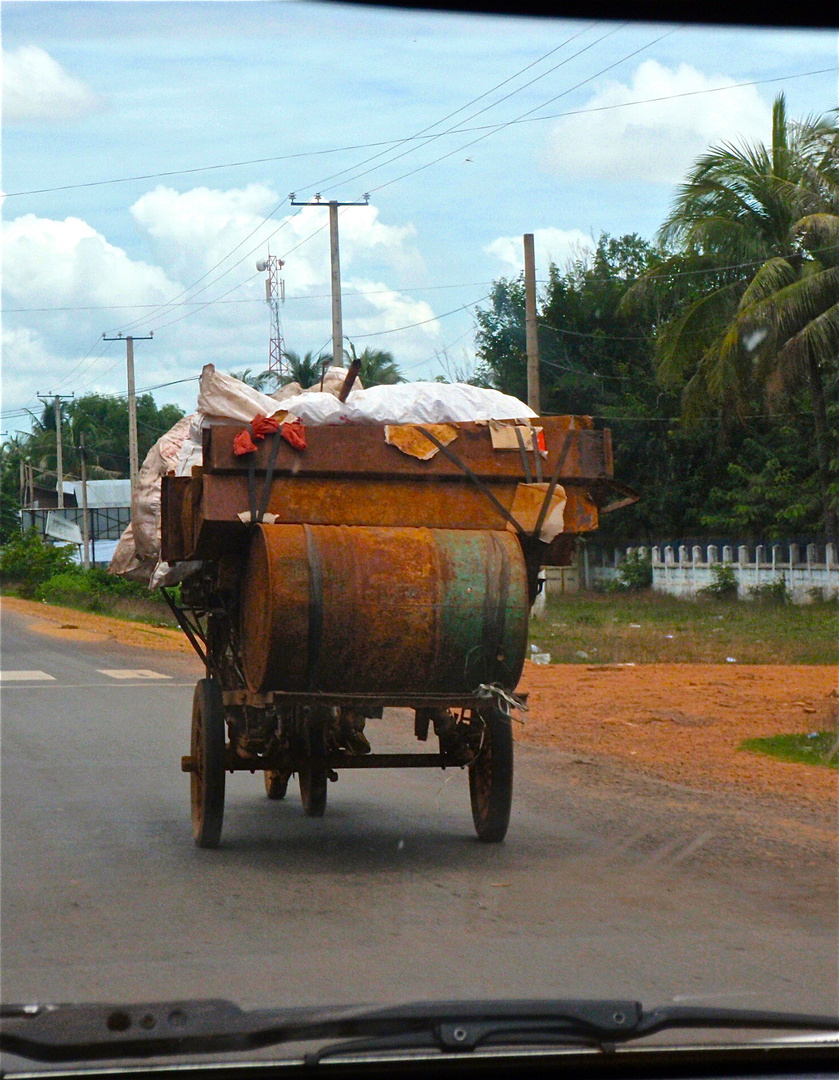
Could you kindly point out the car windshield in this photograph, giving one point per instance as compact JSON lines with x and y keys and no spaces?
{"x":419,"y":508}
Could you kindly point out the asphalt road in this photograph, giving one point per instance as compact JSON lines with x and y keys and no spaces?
{"x":608,"y":884}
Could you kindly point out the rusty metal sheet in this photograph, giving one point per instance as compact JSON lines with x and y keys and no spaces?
{"x":360,"y":451}
{"x":211,"y":507}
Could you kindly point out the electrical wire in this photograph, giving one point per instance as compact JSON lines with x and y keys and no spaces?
{"x":190,"y":288}
{"x":390,"y":142}
{"x":544,"y":104}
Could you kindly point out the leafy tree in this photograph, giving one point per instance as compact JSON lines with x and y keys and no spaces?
{"x":27,"y":560}
{"x":500,"y":339}
{"x":597,"y":360}
{"x":758,"y":225}
{"x":104,"y":422}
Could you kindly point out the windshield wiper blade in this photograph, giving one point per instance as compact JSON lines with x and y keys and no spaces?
{"x":82,"y":1032}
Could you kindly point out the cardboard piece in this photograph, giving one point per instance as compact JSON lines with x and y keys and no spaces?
{"x":527,"y":504}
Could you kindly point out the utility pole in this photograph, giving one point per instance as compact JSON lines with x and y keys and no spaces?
{"x":337,"y":318}
{"x":59,"y":448}
{"x":85,"y":518}
{"x":274,"y":294}
{"x":531,"y":327}
{"x":133,"y":463}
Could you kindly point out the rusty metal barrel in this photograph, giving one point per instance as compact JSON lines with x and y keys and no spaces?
{"x":362,"y":610}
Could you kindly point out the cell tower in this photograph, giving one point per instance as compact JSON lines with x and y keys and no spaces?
{"x":274,"y":296}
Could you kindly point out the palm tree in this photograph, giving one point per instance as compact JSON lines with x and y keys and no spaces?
{"x":258,"y":380}
{"x":305,"y":370}
{"x":378,"y":366}
{"x":760,"y":225}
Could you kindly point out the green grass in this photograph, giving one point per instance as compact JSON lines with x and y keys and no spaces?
{"x":649,"y":628}
{"x":815,"y":748}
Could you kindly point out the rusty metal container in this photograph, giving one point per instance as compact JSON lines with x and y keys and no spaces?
{"x":351,"y":609}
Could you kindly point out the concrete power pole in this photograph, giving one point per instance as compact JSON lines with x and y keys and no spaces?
{"x":59,"y":444}
{"x":531,"y":326}
{"x":335,"y":260}
{"x":133,"y":462}
{"x":85,"y":517}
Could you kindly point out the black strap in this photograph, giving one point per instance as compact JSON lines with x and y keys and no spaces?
{"x":269,"y":476}
{"x":500,"y":507}
{"x":560,"y":461}
{"x":528,"y":478}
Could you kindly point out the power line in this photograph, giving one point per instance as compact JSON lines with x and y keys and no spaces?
{"x":319,"y":183}
{"x":334,"y":176}
{"x":458,"y":129}
{"x":392,"y":142}
{"x":358,"y":175}
{"x":506,"y":124}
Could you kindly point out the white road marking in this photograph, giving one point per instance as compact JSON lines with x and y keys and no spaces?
{"x":131,"y":673}
{"x":25,"y":676}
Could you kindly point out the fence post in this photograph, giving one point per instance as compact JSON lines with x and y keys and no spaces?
{"x":711,"y":555}
{"x":726,"y":553}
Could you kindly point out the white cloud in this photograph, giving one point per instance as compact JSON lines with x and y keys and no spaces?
{"x":550,"y":245}
{"x":55,"y":264}
{"x":28,"y":366}
{"x":659,"y":140}
{"x":37,"y":88}
{"x":50,"y":265}
{"x":193,"y":231}
{"x":75,"y":282}
{"x":394,"y":311}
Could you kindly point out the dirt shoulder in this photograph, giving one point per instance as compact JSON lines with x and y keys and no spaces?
{"x":684,"y":722}
{"x":681,"y":723}
{"x":72,"y":625}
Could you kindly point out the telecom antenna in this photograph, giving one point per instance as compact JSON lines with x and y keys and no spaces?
{"x":274,"y":296}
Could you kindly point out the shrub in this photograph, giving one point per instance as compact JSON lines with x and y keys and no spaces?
{"x":723,"y":583}
{"x":71,"y":588}
{"x":636,"y":571}
{"x":770,"y":592}
{"x":28,"y":561}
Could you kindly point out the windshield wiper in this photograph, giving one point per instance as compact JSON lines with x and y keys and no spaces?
{"x":86,"y":1032}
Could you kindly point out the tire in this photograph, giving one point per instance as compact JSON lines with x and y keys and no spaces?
{"x":208,"y":756}
{"x":313,"y":790}
{"x":276,"y":784}
{"x":491,"y":778}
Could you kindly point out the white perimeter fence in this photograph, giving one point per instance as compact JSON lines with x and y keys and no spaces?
{"x":809,"y":572}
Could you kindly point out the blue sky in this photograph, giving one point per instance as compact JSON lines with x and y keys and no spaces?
{"x":102,"y":91}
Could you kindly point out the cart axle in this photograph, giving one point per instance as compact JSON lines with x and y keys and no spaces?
{"x":234,"y":763}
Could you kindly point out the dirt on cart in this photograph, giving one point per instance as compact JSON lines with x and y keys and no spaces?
{"x":681,"y":723}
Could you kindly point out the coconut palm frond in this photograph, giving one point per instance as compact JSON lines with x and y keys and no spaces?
{"x":681,"y":343}
{"x":769,"y":279}
{"x":819,"y":235}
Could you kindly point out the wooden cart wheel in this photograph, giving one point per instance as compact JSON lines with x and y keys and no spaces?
{"x":207,"y":776}
{"x":491,"y":778}
{"x":276,"y":784}
{"x":313,"y":789}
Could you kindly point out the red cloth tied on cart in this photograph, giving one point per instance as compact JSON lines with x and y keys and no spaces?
{"x":294,"y":433}
{"x":264,"y":425}
{"x":243,"y":443}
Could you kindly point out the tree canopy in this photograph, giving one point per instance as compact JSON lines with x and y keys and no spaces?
{"x":713,"y":353}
